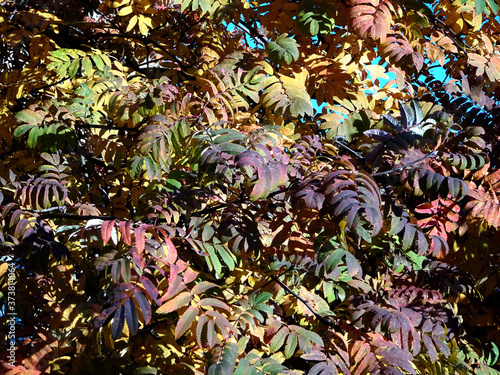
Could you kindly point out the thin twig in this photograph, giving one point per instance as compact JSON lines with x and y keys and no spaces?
{"x":431,"y":155}
{"x":318,"y":316}
{"x":359,"y":156}
{"x":254,"y":31}
{"x":64,"y":215}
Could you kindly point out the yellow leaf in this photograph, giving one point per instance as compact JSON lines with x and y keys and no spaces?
{"x":125,"y":11}
{"x":119,"y":3}
{"x":302,"y":77}
{"x":3,"y":271}
{"x":143,"y":27}
{"x":376,"y":71}
{"x":131,"y":23}
{"x":147,"y":21}
{"x":19,"y":91}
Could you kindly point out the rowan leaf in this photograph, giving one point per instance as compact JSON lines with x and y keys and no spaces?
{"x":186,"y":320}
{"x":181,"y":300}
{"x":284,"y":49}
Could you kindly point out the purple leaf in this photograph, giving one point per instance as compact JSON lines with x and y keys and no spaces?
{"x":118,"y":323}
{"x":430,"y":347}
{"x":131,"y":316}
{"x":144,"y":305}
{"x":314,"y":200}
{"x":378,"y":134}
{"x":149,"y":287}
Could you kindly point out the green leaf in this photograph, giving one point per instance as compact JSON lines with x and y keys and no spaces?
{"x":30,"y":117}
{"x":493,"y":6}
{"x":145,"y":370}
{"x":350,"y":128}
{"x":87,"y":66}
{"x":314,"y":27}
{"x":454,"y":186}
{"x":73,"y":68}
{"x":291,"y":344}
{"x":205,"y":5}
{"x":263,"y":297}
{"x":284,"y":49}
{"x":232,"y":148}
{"x":21,"y":129}
{"x":33,"y":136}
{"x":225,"y":365}
{"x":287,"y":94}
{"x":214,"y":260}
{"x":271,"y":366}
{"x":135,"y":165}
{"x":227,"y":257}
{"x":62,"y":69}
{"x":408,"y":236}
{"x":278,"y":339}
{"x":227,"y":135}
{"x":98,"y":61}
{"x":312,"y":336}
{"x":480,"y":5}
{"x":60,"y":54}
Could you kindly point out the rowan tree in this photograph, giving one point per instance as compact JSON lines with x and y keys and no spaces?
{"x":250,"y":187}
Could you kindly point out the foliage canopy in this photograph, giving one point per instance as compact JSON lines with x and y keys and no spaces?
{"x":251,"y":187}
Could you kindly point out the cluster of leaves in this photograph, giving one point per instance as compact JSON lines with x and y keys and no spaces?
{"x":233,"y":187}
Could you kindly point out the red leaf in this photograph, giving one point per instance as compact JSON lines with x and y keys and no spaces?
{"x":137,"y":258}
{"x":190,"y":276}
{"x":176,"y":285}
{"x":211,"y":334}
{"x":202,"y":320}
{"x":186,"y":320}
{"x":140,"y":238}
{"x":213,"y":302}
{"x":107,"y":229}
{"x":203,"y":286}
{"x":172,"y":251}
{"x":126,"y":232}
{"x":315,"y":355}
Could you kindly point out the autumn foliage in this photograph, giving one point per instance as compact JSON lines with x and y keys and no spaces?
{"x":251,"y":187}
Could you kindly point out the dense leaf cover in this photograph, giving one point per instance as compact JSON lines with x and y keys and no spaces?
{"x":231,"y":186}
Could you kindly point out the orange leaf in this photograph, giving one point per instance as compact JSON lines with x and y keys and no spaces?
{"x":181,"y":300}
